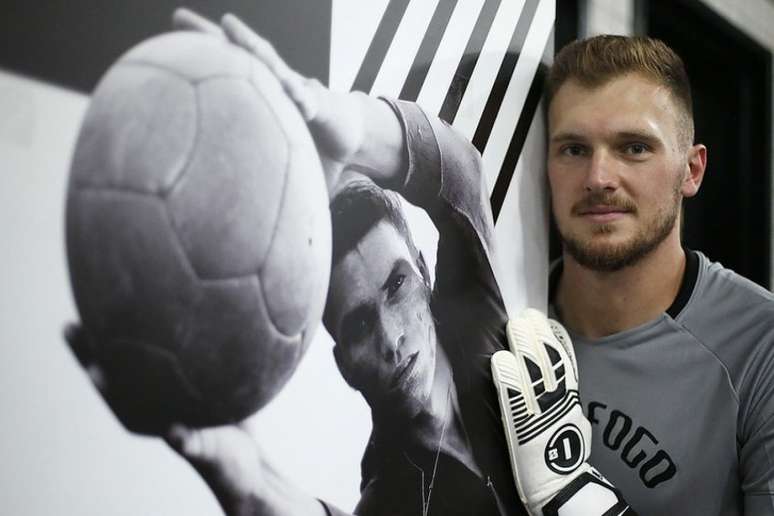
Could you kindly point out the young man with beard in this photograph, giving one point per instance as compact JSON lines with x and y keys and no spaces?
{"x":675,"y":353}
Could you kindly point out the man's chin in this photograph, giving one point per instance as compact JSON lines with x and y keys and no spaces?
{"x":605,"y":253}
{"x":413,"y":400}
{"x":398,"y":410}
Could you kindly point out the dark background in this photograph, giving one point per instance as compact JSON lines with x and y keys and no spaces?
{"x":72,"y":43}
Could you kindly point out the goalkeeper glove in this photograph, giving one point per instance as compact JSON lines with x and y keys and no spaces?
{"x":548,"y":436}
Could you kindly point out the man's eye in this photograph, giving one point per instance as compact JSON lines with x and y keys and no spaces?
{"x":395,"y":284}
{"x":573,"y":150}
{"x":636,"y":148}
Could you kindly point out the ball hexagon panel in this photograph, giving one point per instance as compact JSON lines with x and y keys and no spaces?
{"x":225,"y":205}
{"x":251,"y":361}
{"x":131,"y":274}
{"x":138,"y":131}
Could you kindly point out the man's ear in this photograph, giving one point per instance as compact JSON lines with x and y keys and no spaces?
{"x":423,"y":269}
{"x":694,"y":170}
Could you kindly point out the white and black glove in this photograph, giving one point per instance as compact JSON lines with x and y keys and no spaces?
{"x":548,"y":436}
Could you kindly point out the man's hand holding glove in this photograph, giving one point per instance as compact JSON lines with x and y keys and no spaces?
{"x":549,"y":438}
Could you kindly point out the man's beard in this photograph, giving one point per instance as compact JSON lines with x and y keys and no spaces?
{"x":611,"y":258}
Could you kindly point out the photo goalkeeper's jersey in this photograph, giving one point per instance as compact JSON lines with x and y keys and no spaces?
{"x":682,"y":407}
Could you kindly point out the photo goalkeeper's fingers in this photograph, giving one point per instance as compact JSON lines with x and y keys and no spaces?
{"x":240,"y":34}
{"x":227,"y":458}
{"x":305,"y":94}
{"x":81,"y":345}
{"x":77,"y":340}
{"x":301,"y":90}
{"x":186,"y":19}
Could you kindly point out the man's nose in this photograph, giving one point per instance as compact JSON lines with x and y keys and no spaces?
{"x":392,"y":339}
{"x":601,"y":173}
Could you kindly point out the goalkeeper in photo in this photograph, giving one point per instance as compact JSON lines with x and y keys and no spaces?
{"x":414,"y":326}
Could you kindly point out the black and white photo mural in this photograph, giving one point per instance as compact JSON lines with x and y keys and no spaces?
{"x":290,"y":269}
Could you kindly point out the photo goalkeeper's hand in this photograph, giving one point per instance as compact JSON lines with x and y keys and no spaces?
{"x":227,"y":457}
{"x":231,"y":463}
{"x":549,"y":437}
{"x":335,"y":120}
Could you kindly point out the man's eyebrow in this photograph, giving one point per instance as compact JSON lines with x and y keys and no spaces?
{"x":636,"y":135}
{"x":567,"y":137}
{"x":620,"y":135}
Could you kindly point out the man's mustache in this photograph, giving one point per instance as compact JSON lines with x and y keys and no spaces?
{"x":596,"y":200}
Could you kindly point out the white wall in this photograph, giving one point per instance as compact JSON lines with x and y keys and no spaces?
{"x":608,"y":17}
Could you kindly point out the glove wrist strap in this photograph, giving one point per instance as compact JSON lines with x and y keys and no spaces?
{"x":588,"y":495}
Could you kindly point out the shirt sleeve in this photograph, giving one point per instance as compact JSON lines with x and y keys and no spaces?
{"x":444,"y":174}
{"x":756,"y":443}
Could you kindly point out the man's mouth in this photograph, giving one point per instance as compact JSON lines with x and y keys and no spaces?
{"x":405,"y":370}
{"x":603,"y":213}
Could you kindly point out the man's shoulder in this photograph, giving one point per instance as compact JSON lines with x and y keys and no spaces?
{"x":721,"y":297}
{"x":733,"y":318}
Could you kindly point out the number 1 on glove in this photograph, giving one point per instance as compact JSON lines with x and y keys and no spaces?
{"x":548,"y":436}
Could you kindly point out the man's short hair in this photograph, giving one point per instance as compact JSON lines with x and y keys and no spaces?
{"x":359,"y":206}
{"x":594,"y":61}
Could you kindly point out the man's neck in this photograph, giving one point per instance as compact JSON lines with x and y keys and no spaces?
{"x":596,"y":304}
{"x":440,"y":428}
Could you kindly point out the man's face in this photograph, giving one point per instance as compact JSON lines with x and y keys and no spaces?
{"x":382,"y":324}
{"x":617,"y":169}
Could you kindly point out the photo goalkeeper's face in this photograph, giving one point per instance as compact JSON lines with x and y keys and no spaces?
{"x":617,"y":162}
{"x":382,"y":323}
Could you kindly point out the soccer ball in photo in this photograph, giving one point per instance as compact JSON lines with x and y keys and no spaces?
{"x":198,"y":232}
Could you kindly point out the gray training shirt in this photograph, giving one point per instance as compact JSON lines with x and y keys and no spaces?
{"x":681,"y":407}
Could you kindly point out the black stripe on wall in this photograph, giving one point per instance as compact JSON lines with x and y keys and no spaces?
{"x":427,"y":50}
{"x":380,"y":43}
{"x":467,"y":64}
{"x":516,"y":145}
{"x":504,"y":74}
